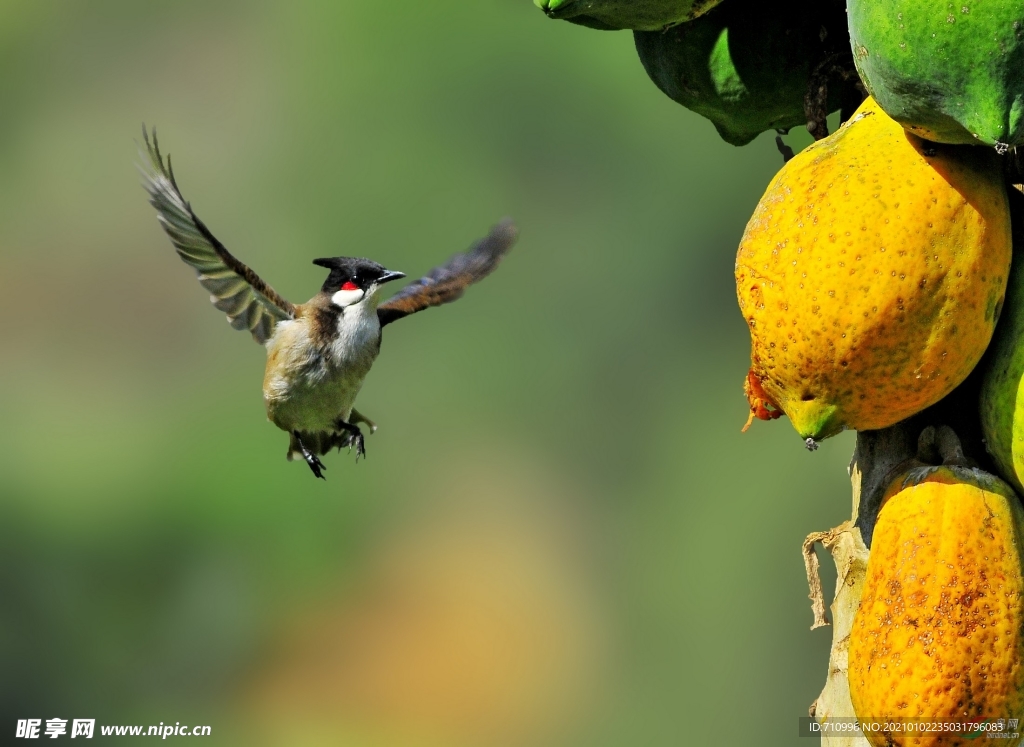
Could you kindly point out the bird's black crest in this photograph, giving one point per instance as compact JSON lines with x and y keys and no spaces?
{"x":358,"y":270}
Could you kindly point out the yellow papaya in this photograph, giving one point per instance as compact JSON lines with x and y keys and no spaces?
{"x":871,"y":275}
{"x":939,"y":634}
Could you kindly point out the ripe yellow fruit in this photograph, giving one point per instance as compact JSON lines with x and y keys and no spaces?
{"x":871,"y":275}
{"x":939,"y":633}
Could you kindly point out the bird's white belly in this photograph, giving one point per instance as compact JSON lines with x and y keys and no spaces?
{"x":309,"y":388}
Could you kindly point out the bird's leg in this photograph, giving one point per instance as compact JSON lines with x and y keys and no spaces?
{"x":311,"y":459}
{"x":358,"y":417}
{"x":353,"y":437}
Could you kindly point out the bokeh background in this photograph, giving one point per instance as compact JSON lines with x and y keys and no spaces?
{"x":560,"y":536}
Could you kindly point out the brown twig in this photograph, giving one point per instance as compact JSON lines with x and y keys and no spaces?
{"x":816,"y":103}
{"x":835,"y":69}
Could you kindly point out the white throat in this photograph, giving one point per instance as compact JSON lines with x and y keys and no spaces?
{"x":357,"y":339}
{"x":345,"y":298}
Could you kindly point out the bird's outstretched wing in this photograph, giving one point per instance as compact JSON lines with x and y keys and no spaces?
{"x":235,"y":289}
{"x":447,"y":283}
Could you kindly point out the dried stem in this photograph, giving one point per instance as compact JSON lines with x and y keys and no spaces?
{"x":828,"y":540}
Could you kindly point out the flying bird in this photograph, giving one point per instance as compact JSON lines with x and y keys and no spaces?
{"x":318,"y":352}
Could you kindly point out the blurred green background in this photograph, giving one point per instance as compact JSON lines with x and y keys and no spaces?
{"x":560,"y":536}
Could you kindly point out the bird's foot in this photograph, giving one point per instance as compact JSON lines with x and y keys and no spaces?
{"x":315,"y":464}
{"x":357,"y":440}
{"x":311,"y":459}
{"x":353,"y":437}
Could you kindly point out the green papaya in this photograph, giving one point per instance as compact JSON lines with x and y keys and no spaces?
{"x":1002,"y":386}
{"x":948,"y":72}
{"x":649,"y":15}
{"x":746,"y":65}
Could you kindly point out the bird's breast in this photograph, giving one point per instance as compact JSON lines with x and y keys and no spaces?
{"x":312,"y":378}
{"x":357,"y":339}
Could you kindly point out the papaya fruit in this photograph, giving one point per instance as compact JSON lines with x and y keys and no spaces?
{"x":949,"y":72}
{"x":746,"y":65}
{"x":871,"y":275}
{"x":939,"y":633}
{"x":1002,"y":386}
{"x":610,"y":15}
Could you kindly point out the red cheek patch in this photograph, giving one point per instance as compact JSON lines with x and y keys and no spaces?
{"x":349,"y":286}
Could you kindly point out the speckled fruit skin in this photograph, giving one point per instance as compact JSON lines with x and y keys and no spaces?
{"x":952,"y":72}
{"x":746,"y":64}
{"x":611,"y":15}
{"x":1002,"y":389}
{"x":871,"y":275}
{"x":938,"y":633}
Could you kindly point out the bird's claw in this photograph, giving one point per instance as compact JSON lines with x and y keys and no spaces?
{"x":314,"y":464}
{"x":360,"y":444}
{"x":355,"y":438}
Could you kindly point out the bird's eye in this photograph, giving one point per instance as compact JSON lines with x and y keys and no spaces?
{"x":349,"y":286}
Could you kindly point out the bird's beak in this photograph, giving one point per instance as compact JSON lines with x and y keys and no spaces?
{"x":389,"y":276}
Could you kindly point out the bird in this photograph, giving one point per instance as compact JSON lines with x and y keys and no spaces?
{"x":318,"y":352}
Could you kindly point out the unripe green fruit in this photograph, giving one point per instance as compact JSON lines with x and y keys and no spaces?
{"x":1002,"y":403}
{"x":746,"y":64}
{"x":948,"y":72}
{"x":648,"y":15}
